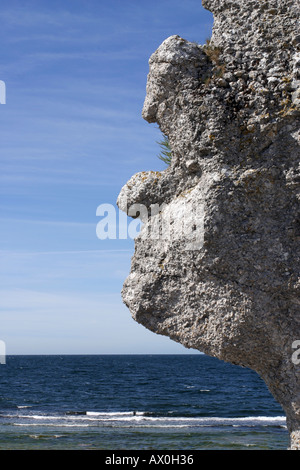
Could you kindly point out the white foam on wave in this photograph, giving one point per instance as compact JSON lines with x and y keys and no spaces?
{"x":41,"y":417}
{"x":58,"y":425}
{"x":115,"y":413}
{"x":142,"y":419}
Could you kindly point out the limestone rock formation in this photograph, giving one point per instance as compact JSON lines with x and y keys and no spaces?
{"x":216,"y":265}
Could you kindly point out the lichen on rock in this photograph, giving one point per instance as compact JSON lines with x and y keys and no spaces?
{"x":230,"y":110}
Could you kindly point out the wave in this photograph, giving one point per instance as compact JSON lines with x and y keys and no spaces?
{"x":145,"y":415}
{"x":138,"y":419}
{"x":193,"y":387}
{"x":113,"y":414}
{"x":58,"y":425}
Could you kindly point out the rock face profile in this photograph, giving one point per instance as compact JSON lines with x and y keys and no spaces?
{"x":216,"y":264}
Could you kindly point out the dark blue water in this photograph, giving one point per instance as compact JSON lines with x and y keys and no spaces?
{"x":165,"y":402}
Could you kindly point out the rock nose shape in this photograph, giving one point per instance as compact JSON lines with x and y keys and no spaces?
{"x":216,"y":266}
{"x":175,"y":61}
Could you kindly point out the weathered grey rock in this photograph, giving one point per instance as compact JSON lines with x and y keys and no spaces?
{"x":228,"y":283}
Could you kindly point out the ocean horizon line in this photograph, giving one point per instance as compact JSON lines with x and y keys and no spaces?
{"x":110,"y":354}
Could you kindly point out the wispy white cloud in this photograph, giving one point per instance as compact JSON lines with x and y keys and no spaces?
{"x":30,"y":315}
{"x":66,"y":252}
{"x":29,"y":17}
{"x":45,"y":223}
{"x":68,"y":323}
{"x":71,"y":135}
{"x":34,"y":301}
{"x":85,"y":270}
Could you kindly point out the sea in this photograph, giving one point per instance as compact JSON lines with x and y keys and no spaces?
{"x":142,"y":402}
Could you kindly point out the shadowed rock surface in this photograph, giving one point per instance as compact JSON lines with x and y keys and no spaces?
{"x":216,"y":265}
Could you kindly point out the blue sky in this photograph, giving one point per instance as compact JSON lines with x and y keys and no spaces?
{"x":71,"y":136}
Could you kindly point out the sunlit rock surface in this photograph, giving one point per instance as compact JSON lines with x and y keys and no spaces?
{"x":216,"y":265}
